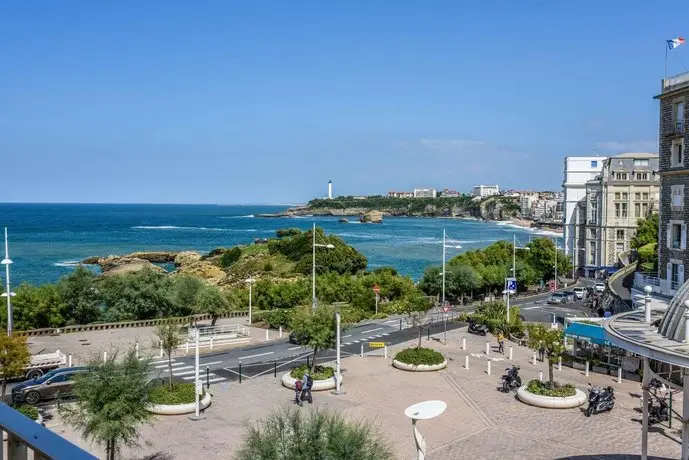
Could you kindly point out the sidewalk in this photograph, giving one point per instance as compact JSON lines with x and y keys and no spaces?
{"x":479,"y":423}
{"x":81,"y":345}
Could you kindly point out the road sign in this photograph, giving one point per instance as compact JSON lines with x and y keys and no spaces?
{"x":552,"y":288}
{"x":376,"y":344}
{"x":376,"y":289}
{"x":511,"y":285}
{"x":446,"y":308}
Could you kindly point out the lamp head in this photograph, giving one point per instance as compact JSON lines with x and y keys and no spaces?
{"x":330,"y":246}
{"x":648,"y":290}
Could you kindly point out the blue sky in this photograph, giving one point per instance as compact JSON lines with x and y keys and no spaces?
{"x":264,"y":101}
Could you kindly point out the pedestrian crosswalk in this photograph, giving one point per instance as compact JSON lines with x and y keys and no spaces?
{"x":187,"y":371}
{"x":377,"y":336}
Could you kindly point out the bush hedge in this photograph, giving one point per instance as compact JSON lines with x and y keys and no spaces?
{"x":319,"y":372}
{"x":180,"y":393}
{"x":416,"y":356}
{"x":28,"y":410}
{"x":542,"y":388}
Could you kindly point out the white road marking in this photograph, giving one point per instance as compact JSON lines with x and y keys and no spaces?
{"x":357,"y":341}
{"x":165,"y":365}
{"x":531,"y":308}
{"x":371,"y":330}
{"x":159,"y":362}
{"x":345,"y":336}
{"x":294,"y":348}
{"x":216,"y":380}
{"x":256,"y":356}
{"x":192,"y":371}
{"x":175,"y":369}
{"x":347,"y":343}
{"x":379,"y":335}
{"x":392,"y":321}
{"x":386,"y":333}
{"x":208,"y":364}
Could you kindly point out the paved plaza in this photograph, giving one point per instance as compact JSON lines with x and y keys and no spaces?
{"x":479,"y":423}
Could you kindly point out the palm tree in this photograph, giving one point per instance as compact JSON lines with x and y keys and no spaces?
{"x":111,"y":401}
{"x":169,"y":340}
{"x":289,"y":433}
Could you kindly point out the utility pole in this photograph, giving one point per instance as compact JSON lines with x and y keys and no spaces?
{"x":313,"y":271}
{"x":443,"y":295}
{"x":8,"y":292}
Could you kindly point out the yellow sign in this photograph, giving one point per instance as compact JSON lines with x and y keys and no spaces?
{"x":376,"y":344}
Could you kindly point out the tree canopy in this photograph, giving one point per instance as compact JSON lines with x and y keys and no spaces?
{"x":315,"y":328}
{"x":14,"y":357}
{"x":550,"y":341}
{"x":646,"y":231}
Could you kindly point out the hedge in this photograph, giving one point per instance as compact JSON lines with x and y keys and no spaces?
{"x":542,"y":388}
{"x":180,"y":393}
{"x":416,"y":356}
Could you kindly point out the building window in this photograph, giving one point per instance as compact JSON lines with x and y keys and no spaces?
{"x":617,"y":195}
{"x":644,"y":209}
{"x":592,"y":253}
{"x":678,"y":115}
{"x":677,"y":192}
{"x":619,"y":247}
{"x":641,"y":176}
{"x":621,"y":176}
{"x":645,"y":196}
{"x":620,"y":234}
{"x":677,"y":156}
{"x":617,"y":209}
{"x":592,"y":233}
{"x":625,"y":196}
{"x":676,"y":235}
{"x":594,"y":164}
{"x":640,"y":162}
{"x":637,"y":196}
{"x":675,"y":273}
{"x":637,"y":209}
{"x":624,"y":209}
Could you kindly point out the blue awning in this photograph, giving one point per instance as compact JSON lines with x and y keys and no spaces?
{"x":588,"y":332}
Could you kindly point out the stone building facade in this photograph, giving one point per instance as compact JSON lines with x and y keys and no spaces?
{"x":673,"y":255}
{"x":626,"y":190}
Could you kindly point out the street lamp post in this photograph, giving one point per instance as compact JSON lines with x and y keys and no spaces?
{"x":423,"y":411}
{"x":249,"y":281}
{"x":507,"y":291}
{"x":313,"y":270}
{"x":8,"y":292}
{"x":338,"y":374}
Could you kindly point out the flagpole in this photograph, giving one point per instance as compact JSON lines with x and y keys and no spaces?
{"x":665,"y":73}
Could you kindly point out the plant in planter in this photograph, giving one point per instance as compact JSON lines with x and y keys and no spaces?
{"x":180,"y":393}
{"x":318,"y":372}
{"x":416,"y":309}
{"x":316,"y":329}
{"x":420,"y":356}
{"x":551,"y":341}
{"x":558,"y":391}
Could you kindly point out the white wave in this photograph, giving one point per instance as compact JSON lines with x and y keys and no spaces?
{"x":248,"y":216}
{"x":174,"y":227}
{"x":366,"y":236}
{"x":302,"y":217}
{"x":67,"y":263}
{"x":548,"y":233}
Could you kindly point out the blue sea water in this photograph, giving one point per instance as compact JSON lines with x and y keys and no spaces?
{"x":47,"y":240}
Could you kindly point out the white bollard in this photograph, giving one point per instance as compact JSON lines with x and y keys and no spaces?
{"x":69,"y":361}
{"x":533,"y":358}
{"x":466,"y":362}
{"x":488,"y":367}
{"x":488,"y":348}
{"x":464,"y":343}
{"x":211,"y":344}
{"x":362,"y":350}
{"x":187,"y":350}
{"x":267,"y":334}
{"x":619,"y":375}
{"x":105,"y":356}
{"x":511,"y":349}
{"x":161,"y":350}
{"x":559,"y":363}
{"x":587,"y":369}
{"x":280,"y":331}
{"x":386,"y":352}
{"x":136,"y":347}
{"x":540,"y":376}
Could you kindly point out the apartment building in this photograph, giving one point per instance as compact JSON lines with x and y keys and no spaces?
{"x":393,"y":194}
{"x":425,"y":193}
{"x":626,"y":190}
{"x":673,"y":255}
{"x":483,"y":191}
{"x":578,"y":171}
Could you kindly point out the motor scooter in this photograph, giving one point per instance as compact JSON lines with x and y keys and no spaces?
{"x":511,"y":379}
{"x":479,"y":329}
{"x":600,"y":400}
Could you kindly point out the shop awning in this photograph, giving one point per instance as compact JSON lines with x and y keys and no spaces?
{"x":591,"y":333}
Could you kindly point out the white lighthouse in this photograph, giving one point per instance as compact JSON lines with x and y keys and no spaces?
{"x":330,"y":190}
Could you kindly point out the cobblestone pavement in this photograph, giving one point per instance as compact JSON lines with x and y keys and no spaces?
{"x":479,"y":423}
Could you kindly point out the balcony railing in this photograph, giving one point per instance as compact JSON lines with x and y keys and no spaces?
{"x":24,"y":436}
{"x":658,"y":285}
{"x":678,"y":80}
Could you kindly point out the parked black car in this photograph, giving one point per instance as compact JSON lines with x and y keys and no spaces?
{"x":297,"y":339}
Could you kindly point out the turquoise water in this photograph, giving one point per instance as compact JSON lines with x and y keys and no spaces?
{"x":46,"y":240}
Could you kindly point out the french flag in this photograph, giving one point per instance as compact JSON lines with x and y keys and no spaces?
{"x":675,"y":42}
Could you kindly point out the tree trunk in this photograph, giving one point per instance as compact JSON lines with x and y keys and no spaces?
{"x":110,"y":449}
{"x":4,"y":388}
{"x":420,"y":331}
{"x":313,"y":360}
{"x":213,"y":320}
{"x":169,"y":368}
{"x":550,"y":373}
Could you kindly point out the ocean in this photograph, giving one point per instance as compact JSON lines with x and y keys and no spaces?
{"x":48,"y":240}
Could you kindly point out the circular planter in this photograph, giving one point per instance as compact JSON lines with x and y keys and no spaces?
{"x":419,"y":367}
{"x":179,"y":409}
{"x":318,"y":385}
{"x":551,"y":402}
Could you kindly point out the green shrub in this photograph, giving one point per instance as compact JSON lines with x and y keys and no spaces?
{"x":180,"y":393}
{"x":278,"y":318}
{"x":380,"y":315}
{"x":283,"y":232}
{"x":416,"y":356}
{"x":319,"y":372}
{"x":28,"y":410}
{"x":542,"y":388}
{"x":217,"y":252}
{"x":268,"y":267}
{"x":230,"y":257}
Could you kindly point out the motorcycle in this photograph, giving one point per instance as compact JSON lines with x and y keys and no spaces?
{"x":659,"y":413}
{"x":600,"y":400}
{"x":479,"y":329}
{"x":511,"y":380}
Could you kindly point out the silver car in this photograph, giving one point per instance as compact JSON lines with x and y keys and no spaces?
{"x":557,"y":298}
{"x":580,"y":293}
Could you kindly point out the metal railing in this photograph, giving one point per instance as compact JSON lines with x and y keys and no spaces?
{"x":667,"y":288}
{"x":25,"y":436}
{"x":677,"y":80}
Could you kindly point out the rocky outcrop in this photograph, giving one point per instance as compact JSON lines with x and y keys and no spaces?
{"x":120,"y":265}
{"x":212,"y":274}
{"x":156,"y":257}
{"x":187,"y":257}
{"x":374,"y":217}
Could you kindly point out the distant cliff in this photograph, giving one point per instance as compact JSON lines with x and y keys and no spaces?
{"x":492,"y":208}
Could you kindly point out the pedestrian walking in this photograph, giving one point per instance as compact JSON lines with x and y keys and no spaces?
{"x":501,"y":343}
{"x":306,"y":389}
{"x":298,"y":387}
